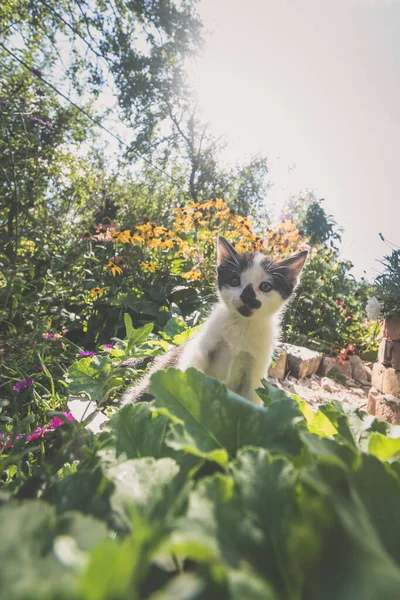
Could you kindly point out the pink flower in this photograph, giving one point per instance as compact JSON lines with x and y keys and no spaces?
{"x":39,"y":432}
{"x":86,"y":353}
{"x":44,"y":123}
{"x":52,"y":336}
{"x":56,"y":421}
{"x":23,"y":384}
{"x":108,"y":346}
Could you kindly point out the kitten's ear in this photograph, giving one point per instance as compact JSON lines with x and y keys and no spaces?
{"x":294,"y":265}
{"x":225,"y":251}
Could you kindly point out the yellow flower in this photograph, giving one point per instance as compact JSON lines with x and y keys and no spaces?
{"x":193,"y":275}
{"x":115,"y":270}
{"x":122,"y":236}
{"x":151,"y":266}
{"x":97,"y":292}
{"x":160,"y":231}
{"x":220,"y":204}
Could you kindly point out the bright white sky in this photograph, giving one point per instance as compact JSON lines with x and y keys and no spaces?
{"x":316,"y":84}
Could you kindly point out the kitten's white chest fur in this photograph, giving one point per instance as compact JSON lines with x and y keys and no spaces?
{"x":233,"y":349}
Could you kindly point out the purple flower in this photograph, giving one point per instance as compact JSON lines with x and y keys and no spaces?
{"x":86,"y":353}
{"x":38,"y":368}
{"x":108,"y":346}
{"x":23,"y":384}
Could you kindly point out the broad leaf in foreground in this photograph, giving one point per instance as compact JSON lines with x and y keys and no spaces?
{"x":216,"y":419}
{"x":137,"y":431}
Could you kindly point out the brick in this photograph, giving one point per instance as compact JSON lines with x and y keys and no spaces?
{"x":279,"y":369}
{"x":391,"y":382}
{"x":384,"y":407}
{"x":302,"y":362}
{"x":389,"y":353}
{"x":390,"y":328}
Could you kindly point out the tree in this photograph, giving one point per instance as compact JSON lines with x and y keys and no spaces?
{"x":312,"y":220}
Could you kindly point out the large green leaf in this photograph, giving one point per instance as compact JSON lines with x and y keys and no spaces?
{"x":137,"y":431}
{"x":216,"y":419}
{"x":40,"y":554}
{"x":378,"y":486}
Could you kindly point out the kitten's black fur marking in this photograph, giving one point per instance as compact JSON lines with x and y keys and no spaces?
{"x":282,"y":274}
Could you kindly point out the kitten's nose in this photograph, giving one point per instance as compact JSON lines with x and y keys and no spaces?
{"x":248,"y":297}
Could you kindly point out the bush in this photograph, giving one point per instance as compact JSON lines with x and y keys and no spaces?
{"x":387,"y":284}
{"x":328,"y":312}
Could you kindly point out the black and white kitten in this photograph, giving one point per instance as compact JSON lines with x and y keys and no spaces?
{"x":236,"y":341}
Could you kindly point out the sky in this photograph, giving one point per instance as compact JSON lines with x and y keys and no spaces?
{"x":314,"y":86}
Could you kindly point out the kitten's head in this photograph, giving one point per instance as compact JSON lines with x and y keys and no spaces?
{"x":252,"y":283}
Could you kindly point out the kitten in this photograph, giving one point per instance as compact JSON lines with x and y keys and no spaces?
{"x":236,"y":341}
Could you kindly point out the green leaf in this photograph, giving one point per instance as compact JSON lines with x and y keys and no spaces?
{"x":383,"y":447}
{"x":269,"y":393}
{"x":215,"y":418}
{"x":378,"y":486}
{"x":40,"y":553}
{"x":93,"y":377}
{"x":130,"y":331}
{"x":155,"y":488}
{"x":137,"y":431}
{"x":317,"y":422}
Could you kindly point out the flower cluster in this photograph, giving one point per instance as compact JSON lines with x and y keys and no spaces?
{"x":52,"y":336}
{"x":40,"y":432}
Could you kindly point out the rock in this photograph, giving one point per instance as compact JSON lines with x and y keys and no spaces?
{"x":329,"y":363}
{"x":390,"y":328}
{"x":358,"y":370}
{"x":384,"y":407}
{"x":386,"y":379}
{"x":389,"y":353}
{"x":279,"y":369}
{"x":302,"y":362}
{"x":378,"y":371}
{"x":329,"y":385}
{"x":358,"y":392}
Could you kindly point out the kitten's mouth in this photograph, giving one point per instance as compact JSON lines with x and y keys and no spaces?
{"x":245,"y":311}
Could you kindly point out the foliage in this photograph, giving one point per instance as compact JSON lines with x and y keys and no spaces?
{"x":387,"y":284}
{"x":312,"y":220}
{"x":197,"y":494}
{"x":329,"y":309}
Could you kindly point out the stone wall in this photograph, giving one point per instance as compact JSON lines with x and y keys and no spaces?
{"x":384,"y":396}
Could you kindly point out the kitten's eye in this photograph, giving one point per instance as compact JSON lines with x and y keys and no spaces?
{"x":234,"y":281}
{"x":265,"y":286}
